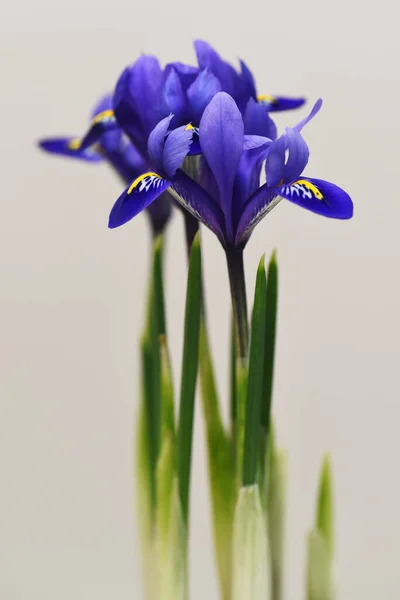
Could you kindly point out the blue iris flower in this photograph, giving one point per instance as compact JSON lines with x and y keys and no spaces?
{"x":111,"y":146}
{"x":229,"y":199}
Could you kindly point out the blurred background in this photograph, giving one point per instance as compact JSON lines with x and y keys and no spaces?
{"x":72,"y":293}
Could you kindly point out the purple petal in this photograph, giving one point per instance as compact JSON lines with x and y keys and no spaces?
{"x":160,"y":212}
{"x":314,"y":111}
{"x":255,"y":209}
{"x":199,"y":203}
{"x":247,"y":178}
{"x":187,"y":73}
{"x":69,"y":146}
{"x":173,"y":98}
{"x":247,"y":80}
{"x":275,"y":165}
{"x":222,"y":139}
{"x":156,"y":143}
{"x":255,"y":141}
{"x":127,"y":161}
{"x":257,"y":121}
{"x":176,"y":147}
{"x":280,"y":103}
{"x":102,"y":124}
{"x":298,"y":154}
{"x":201,"y":92}
{"x":105,"y":103}
{"x":137,"y":196}
{"x":209,"y":59}
{"x":319,"y":196}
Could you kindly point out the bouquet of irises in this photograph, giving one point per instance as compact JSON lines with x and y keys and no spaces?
{"x":200,"y":139}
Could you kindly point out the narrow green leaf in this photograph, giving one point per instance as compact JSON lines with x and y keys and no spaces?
{"x":221,"y":466}
{"x":167,"y":391}
{"x":250,"y":548}
{"x":251,"y":451}
{"x":241,"y":370}
{"x":319,"y":568}
{"x":275,"y":496}
{"x":189,"y":374}
{"x":165,"y":479}
{"x":158,"y":286}
{"x":324,"y":519}
{"x":151,"y":419}
{"x":233,"y":380}
{"x":270,"y":334}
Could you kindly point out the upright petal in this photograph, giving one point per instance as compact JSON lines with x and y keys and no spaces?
{"x":257,"y":121}
{"x":221,"y":139}
{"x":173,"y":99}
{"x":297,"y":156}
{"x":275,"y":165}
{"x":176,"y":148}
{"x":245,"y":87}
{"x":209,"y":59}
{"x":187,"y":73}
{"x":279,"y":103}
{"x":156,"y":142}
{"x":200,"y":93}
{"x":314,"y":111}
{"x":136,"y":197}
{"x":126,"y":112}
{"x":69,"y":146}
{"x":319,"y":196}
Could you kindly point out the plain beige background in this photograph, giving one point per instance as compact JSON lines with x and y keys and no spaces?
{"x":72,"y":293}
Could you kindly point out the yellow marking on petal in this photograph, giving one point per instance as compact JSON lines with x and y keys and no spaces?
{"x":140,"y":178}
{"x":74,"y":144}
{"x":267,"y":98}
{"x":310,"y":186}
{"x":105,"y":114}
{"x":188,"y":127}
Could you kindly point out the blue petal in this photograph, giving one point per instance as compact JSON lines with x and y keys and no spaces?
{"x":176,"y":148}
{"x":187,"y":73}
{"x":320,"y":197}
{"x":275,"y":165}
{"x":137,"y":196}
{"x":277,"y":103}
{"x":156,"y":142}
{"x":101,"y":124}
{"x":173,"y":99}
{"x":298,"y":154}
{"x":199,"y":203}
{"x":201,"y":92}
{"x":222,"y":139}
{"x":127,"y":161}
{"x":255,"y":209}
{"x":209,"y":59}
{"x":255,"y":141}
{"x":68,"y":146}
{"x":160,"y":212}
{"x":315,"y":110}
{"x":104,"y":103}
{"x":257,"y":121}
{"x":247,"y":80}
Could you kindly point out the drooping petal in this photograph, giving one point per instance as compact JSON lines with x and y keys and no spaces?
{"x":173,"y":99}
{"x":319,"y":196}
{"x":314,"y":111}
{"x":200,"y":93}
{"x":137,"y":196}
{"x":209,"y":59}
{"x":297,"y":158}
{"x":255,"y":209}
{"x":199,"y":203}
{"x":277,"y":103}
{"x":275,"y":165}
{"x":103,"y":123}
{"x":156,"y":142}
{"x":221,"y":139}
{"x":176,"y":148}
{"x":257,"y":121}
{"x":69,"y":146}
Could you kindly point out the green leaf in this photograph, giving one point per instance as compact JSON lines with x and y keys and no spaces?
{"x":270,"y":334}
{"x":250,"y":548}
{"x":319,"y":571}
{"x":167,"y":391}
{"x":324,"y":519}
{"x":150,"y":418}
{"x":275,"y":496}
{"x":221,"y":466}
{"x":251,"y":452}
{"x":165,"y":479}
{"x":233,"y":380}
{"x":158,"y":286}
{"x":189,"y":375}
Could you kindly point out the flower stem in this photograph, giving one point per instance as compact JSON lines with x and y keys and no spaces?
{"x":191,"y":228}
{"x":234,"y":258}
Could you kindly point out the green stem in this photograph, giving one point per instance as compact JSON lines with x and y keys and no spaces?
{"x":234,"y":258}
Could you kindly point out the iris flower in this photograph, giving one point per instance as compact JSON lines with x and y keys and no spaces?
{"x":111,"y":146}
{"x":230,"y":200}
